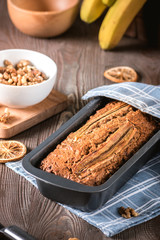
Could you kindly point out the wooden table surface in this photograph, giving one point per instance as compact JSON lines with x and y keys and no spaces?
{"x":81,"y":64}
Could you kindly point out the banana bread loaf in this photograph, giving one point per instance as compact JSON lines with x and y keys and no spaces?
{"x":95,"y":151}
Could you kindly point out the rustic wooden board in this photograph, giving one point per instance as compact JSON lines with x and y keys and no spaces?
{"x":22,"y":119}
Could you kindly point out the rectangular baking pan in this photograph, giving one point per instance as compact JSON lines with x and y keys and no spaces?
{"x":83,"y":197}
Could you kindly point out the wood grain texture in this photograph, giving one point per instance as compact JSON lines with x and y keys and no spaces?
{"x":81,"y":64}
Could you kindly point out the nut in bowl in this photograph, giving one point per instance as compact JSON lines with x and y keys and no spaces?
{"x":28,"y":93}
{"x":43,"y":18}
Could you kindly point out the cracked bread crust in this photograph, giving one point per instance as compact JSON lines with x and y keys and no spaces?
{"x":95,"y":151}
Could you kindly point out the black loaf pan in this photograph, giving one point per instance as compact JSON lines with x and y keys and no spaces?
{"x":85,"y":198}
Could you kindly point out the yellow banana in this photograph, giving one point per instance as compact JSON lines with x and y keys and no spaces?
{"x":109,"y":3}
{"x":117,"y":20}
{"x":91,"y":10}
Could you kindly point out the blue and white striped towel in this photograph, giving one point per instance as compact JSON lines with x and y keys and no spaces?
{"x":141,"y":192}
{"x":143,"y":96}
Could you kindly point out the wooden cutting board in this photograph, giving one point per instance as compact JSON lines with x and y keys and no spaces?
{"x":22,"y":119}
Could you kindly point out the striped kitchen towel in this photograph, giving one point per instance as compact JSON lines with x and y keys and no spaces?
{"x":141,"y":192}
{"x":143,"y":96}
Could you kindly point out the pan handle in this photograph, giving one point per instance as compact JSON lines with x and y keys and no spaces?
{"x":15,"y":233}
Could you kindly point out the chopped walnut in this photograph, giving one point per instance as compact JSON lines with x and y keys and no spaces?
{"x":23,"y":74}
{"x":7,"y":63}
{"x":127,"y":212}
{"x":5,"y":116}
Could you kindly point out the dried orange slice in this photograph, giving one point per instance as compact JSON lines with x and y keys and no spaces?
{"x":121,"y":74}
{"x":11,"y":150}
{"x":73,"y":238}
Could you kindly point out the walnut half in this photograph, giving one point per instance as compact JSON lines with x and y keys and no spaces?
{"x":5,"y":116}
{"x":127,"y":212}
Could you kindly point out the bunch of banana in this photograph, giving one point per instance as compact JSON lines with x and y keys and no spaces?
{"x":118,"y":17}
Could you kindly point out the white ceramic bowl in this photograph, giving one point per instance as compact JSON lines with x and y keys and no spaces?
{"x":25,"y":96}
